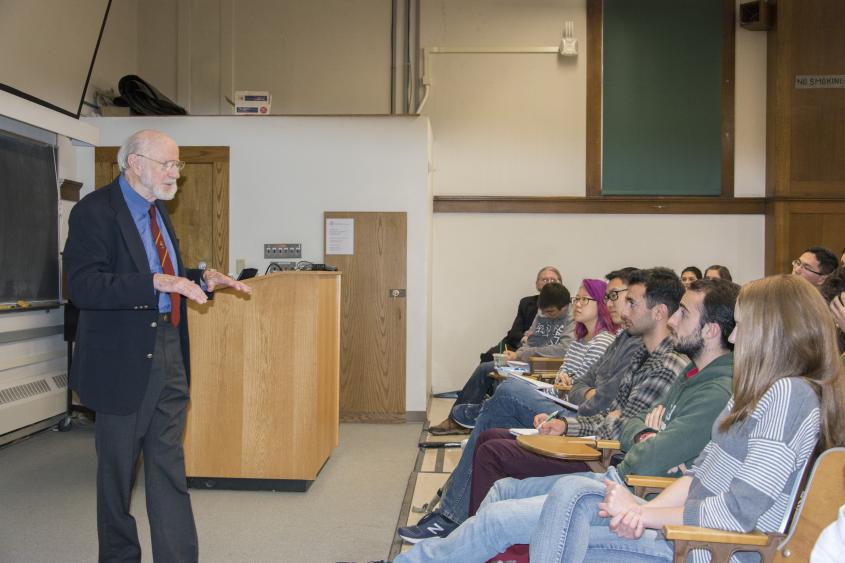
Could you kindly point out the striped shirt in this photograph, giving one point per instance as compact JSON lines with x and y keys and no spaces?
{"x":645,"y":381}
{"x":744,"y":478}
{"x":582,"y":355}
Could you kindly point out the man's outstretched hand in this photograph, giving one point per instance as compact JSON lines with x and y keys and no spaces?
{"x":215,"y":279}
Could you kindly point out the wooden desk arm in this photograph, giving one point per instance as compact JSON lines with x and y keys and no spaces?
{"x":710,"y":535}
{"x":542,"y":363}
{"x":609,"y":445}
{"x":649,"y":481}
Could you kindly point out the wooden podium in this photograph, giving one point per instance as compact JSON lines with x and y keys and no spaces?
{"x":264,"y":383}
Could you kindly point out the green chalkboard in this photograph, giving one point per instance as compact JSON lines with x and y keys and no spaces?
{"x":661,"y":97}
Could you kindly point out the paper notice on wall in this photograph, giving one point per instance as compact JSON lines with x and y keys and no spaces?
{"x":340,"y":236}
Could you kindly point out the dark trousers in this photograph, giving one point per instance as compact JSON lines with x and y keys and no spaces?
{"x":156,"y":430}
{"x":498,"y":455}
{"x":478,"y":386}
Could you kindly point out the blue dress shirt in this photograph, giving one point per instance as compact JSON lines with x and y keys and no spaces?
{"x":139,"y":209}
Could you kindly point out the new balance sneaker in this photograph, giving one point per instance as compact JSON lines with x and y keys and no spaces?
{"x":465,"y":414}
{"x":446,"y":428}
{"x":433,"y":525}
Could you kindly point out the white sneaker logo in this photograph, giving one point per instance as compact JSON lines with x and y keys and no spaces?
{"x":434,"y":528}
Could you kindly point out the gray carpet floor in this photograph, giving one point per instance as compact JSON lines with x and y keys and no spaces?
{"x":47,"y":503}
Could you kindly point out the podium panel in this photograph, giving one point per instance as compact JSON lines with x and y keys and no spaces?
{"x":264,"y":383}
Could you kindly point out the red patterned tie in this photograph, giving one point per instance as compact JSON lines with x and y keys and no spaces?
{"x":166,"y":264}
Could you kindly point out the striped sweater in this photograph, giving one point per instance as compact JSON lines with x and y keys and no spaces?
{"x":744,"y":477}
{"x":582,"y":355}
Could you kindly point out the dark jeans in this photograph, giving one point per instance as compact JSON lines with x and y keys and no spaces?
{"x":498,"y":455}
{"x":156,"y":430}
{"x":478,"y":386}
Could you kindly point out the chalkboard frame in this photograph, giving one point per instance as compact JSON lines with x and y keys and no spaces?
{"x":595,"y":85}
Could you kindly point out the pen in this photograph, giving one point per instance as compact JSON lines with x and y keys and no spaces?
{"x":548,"y":418}
{"x":440,"y":444}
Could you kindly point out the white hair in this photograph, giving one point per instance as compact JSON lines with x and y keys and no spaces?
{"x":137,"y":143}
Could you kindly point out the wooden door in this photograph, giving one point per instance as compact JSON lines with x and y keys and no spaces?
{"x":200,"y":210}
{"x":372,"y":337}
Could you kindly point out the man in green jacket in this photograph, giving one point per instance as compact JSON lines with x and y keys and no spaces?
{"x":667,"y":439}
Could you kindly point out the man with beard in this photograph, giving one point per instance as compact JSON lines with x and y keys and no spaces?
{"x":661,"y":441}
{"x":131,"y":361}
{"x":668,"y":438}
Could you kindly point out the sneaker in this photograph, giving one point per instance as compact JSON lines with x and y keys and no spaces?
{"x":433,"y":525}
{"x":466,"y":414}
{"x":446,"y":428}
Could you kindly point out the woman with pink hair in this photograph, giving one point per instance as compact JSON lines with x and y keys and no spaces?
{"x":594,"y":331}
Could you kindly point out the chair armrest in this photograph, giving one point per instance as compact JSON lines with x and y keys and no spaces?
{"x":562,"y":387}
{"x":542,"y":363}
{"x":710,"y":535}
{"x":496,"y":376}
{"x":609,"y":445}
{"x":545,"y":374}
{"x":649,"y":481}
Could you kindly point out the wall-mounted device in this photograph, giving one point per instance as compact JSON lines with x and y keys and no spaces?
{"x":282,"y":251}
{"x":568,"y":42}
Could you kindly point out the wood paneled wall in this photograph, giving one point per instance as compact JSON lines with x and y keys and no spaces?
{"x":805,"y":145}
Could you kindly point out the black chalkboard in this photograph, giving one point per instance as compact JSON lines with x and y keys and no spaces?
{"x":29,"y":222}
{"x":662,"y":97}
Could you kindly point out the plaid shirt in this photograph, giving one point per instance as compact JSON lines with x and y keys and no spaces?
{"x":646,"y":380}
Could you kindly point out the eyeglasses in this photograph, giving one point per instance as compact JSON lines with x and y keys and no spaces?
{"x":582,"y":300}
{"x":168,"y":165}
{"x":549,"y":280}
{"x":613,"y":294}
{"x":803,"y":266}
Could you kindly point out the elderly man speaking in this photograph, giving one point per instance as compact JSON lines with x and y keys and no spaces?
{"x":131,"y":362}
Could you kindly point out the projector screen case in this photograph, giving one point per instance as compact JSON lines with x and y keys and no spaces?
{"x":48,"y":48}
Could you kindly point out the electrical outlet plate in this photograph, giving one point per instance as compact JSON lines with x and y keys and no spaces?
{"x":282,"y":251}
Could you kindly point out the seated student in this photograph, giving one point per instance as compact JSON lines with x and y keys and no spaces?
{"x":646,"y":372}
{"x":550,"y":334}
{"x":657,"y":442}
{"x":689,"y":275}
{"x":815,"y":264}
{"x":833,"y":291}
{"x":788,"y":392}
{"x":525,"y":313}
{"x":594,"y":332}
{"x":718,"y":272}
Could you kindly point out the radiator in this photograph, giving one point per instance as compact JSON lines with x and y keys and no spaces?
{"x":32,"y":399}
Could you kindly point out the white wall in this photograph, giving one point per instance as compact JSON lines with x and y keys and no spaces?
{"x":286,"y":171}
{"x":515,"y":124}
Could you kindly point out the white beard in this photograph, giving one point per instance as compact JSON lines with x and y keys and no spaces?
{"x":165,"y":192}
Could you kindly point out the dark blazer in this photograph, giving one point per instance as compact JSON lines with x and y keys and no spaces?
{"x":525,"y":313}
{"x":109,"y":280}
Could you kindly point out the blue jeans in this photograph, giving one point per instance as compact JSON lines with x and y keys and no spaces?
{"x":513,"y":405}
{"x":571,"y":529}
{"x":510,"y":514}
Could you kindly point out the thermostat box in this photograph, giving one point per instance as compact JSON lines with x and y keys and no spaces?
{"x":252,"y":102}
